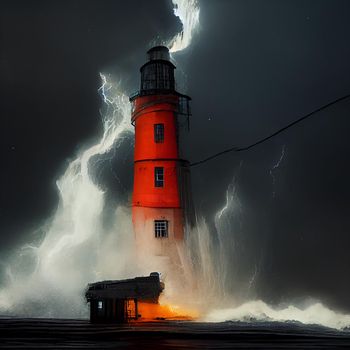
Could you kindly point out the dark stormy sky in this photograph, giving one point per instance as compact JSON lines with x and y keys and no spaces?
{"x":253,"y":67}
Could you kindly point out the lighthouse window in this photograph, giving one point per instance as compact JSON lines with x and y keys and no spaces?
{"x":161,"y":228}
{"x":159,"y":177}
{"x":158,"y":133}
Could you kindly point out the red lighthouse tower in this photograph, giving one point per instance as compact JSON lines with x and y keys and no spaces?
{"x":161,"y":202}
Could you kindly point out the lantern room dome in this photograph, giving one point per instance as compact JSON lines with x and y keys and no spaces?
{"x":157,"y":75}
{"x":158,"y":53}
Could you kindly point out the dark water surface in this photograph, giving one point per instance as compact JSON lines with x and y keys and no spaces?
{"x":20,"y":333}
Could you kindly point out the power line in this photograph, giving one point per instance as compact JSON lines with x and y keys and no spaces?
{"x":240,"y":149}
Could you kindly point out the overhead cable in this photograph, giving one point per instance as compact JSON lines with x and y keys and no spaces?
{"x":240,"y":149}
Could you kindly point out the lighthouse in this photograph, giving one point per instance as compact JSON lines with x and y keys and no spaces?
{"x":161,"y":201}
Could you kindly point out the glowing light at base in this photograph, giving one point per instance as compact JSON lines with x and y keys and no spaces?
{"x":150,"y":311}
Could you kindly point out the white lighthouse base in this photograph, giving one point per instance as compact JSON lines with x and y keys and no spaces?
{"x":165,"y":255}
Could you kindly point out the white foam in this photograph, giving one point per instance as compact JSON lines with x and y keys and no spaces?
{"x":257,"y":310}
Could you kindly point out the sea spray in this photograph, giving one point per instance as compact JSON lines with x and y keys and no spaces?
{"x":48,"y":279}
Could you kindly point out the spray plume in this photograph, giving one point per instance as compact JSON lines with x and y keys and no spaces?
{"x":71,"y":252}
{"x":188,"y":13}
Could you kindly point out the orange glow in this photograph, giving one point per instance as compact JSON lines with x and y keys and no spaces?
{"x":150,"y":311}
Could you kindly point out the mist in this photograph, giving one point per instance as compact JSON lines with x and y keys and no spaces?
{"x":271,"y":222}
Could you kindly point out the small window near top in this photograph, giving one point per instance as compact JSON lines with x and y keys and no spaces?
{"x":100,"y":304}
{"x":159,"y":177}
{"x":159,"y":133}
{"x":161,"y":228}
